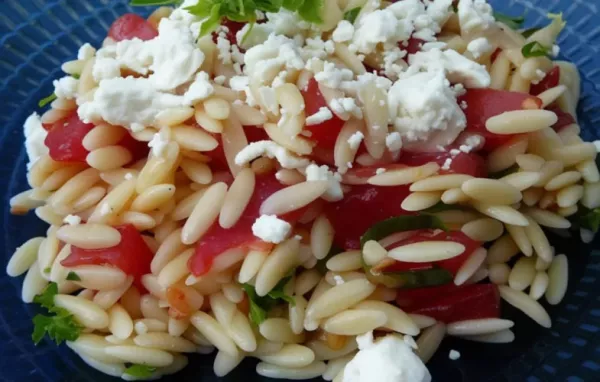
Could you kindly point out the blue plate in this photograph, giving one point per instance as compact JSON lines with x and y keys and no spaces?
{"x":37,"y":36}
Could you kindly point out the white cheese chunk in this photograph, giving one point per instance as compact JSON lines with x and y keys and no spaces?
{"x":86,"y":52}
{"x":66,"y":87}
{"x":72,"y":220}
{"x":355,"y":140}
{"x":332,"y":76}
{"x":35,"y":134}
{"x":380,"y":26}
{"x":393,"y":141}
{"x":479,"y":47}
{"x":263,"y":61}
{"x":474,"y":15}
{"x":343,"y":32}
{"x":159,"y":143}
{"x":324,"y":114}
{"x":199,"y":90}
{"x":423,"y":105}
{"x":269,"y":149}
{"x":271,"y":229}
{"x":389,"y":359}
{"x":457,"y":67}
{"x":316,"y":173}
{"x":454,"y":355}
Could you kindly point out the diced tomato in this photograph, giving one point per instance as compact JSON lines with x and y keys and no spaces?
{"x":130,"y":26}
{"x":131,"y":255}
{"x":494,"y":55}
{"x":564,"y":119}
{"x":463,"y":163}
{"x":64,"y":139}
{"x":233,"y":27}
{"x":324,"y":134}
{"x":551,"y":80}
{"x":452,"y":265}
{"x":137,"y":148}
{"x":483,"y":104}
{"x":413,"y":46}
{"x":467,"y":302}
{"x":218,"y":240}
{"x":362,"y":207}
{"x":414,"y":298}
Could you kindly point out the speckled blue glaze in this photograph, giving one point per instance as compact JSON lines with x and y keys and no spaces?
{"x":37,"y":36}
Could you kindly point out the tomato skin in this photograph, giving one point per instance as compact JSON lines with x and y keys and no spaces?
{"x":131,"y":255}
{"x":218,"y":240}
{"x":467,"y":302}
{"x":551,"y":80}
{"x":138,"y":149}
{"x":64,"y":139}
{"x":482,"y":104}
{"x":324,"y":134}
{"x":233,"y":27}
{"x":413,"y":46}
{"x":564,"y":119}
{"x":130,"y":26}
{"x":363,"y":206}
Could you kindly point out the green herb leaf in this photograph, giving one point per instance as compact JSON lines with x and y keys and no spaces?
{"x":292,"y":5}
{"x":528,"y":32}
{"x":60,"y":325}
{"x":310,"y":11}
{"x":535,"y":49}
{"x":260,"y":306}
{"x":140,"y":371}
{"x":212,"y":21}
{"x":389,"y":226}
{"x":590,"y":219}
{"x":47,"y":270}
{"x":45,"y":101}
{"x":46,"y":299}
{"x":421,"y":278}
{"x":352,"y":14}
{"x":72,"y":276}
{"x":441,"y":207}
{"x":149,"y":3}
{"x":510,"y":21}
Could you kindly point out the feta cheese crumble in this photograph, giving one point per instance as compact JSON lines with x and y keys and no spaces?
{"x":271,"y":229}
{"x":270,"y":149}
{"x":72,"y":220}
{"x":343,"y":32}
{"x":66,"y":87}
{"x":334,"y":192}
{"x":454,"y":355}
{"x":324,"y":114}
{"x":475,"y":15}
{"x":159,"y":143}
{"x":479,"y":47}
{"x":35,"y":134}
{"x":389,"y":359}
{"x":86,"y":52}
{"x":355,"y":140}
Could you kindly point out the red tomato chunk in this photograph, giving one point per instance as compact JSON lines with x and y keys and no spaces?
{"x":325,"y":133}
{"x":131,"y":255}
{"x":449,"y":303}
{"x":218,"y":239}
{"x":551,"y":80}
{"x":64,"y":139}
{"x":130,"y":26}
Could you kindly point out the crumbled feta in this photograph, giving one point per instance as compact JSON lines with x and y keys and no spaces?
{"x":324,"y":114}
{"x":393,"y":141}
{"x":389,"y":359}
{"x":423,"y":105}
{"x":127,"y":101}
{"x":454,"y":355}
{"x":106,"y":68}
{"x":128,"y":176}
{"x":86,"y":52}
{"x":66,"y":87}
{"x":457,"y":67}
{"x":334,"y":192}
{"x":434,"y":45}
{"x":474,"y":15}
{"x":380,"y":26}
{"x":555,"y":50}
{"x":35,"y":134}
{"x":447,"y":164}
{"x":263,"y":61}
{"x":332,"y":76}
{"x":269,"y":99}
{"x":343,"y":32}
{"x":272,"y":150}
{"x":539,"y":75}
{"x":286,"y":22}
{"x":345,"y":106}
{"x":159,"y":143}
{"x":271,"y":229}
{"x":72,"y":219}
{"x":316,"y":47}
{"x":479,"y":47}
{"x":355,"y":140}
{"x":380,"y":171}
{"x":199,"y":90}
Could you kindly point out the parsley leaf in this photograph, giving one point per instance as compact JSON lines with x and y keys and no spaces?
{"x":260,"y":306}
{"x":310,"y":11}
{"x":148,"y":3}
{"x":510,"y":21}
{"x":535,"y":49}
{"x":140,"y":371}
{"x":590,"y":219}
{"x":72,"y":276}
{"x":60,"y":325}
{"x":528,"y":32}
{"x":46,"y":100}
{"x":352,"y":14}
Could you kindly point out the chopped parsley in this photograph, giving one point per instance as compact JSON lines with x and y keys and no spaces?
{"x":260,"y":306}
{"x":513,"y":22}
{"x":140,"y":371}
{"x":535,"y":49}
{"x":352,"y":14}
{"x":46,"y":100}
{"x":72,"y":276}
{"x":60,"y":325}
